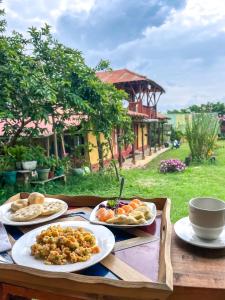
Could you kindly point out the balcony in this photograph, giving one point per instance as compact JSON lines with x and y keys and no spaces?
{"x":140,"y":108}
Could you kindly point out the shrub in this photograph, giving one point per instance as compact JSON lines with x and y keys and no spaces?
{"x":201,"y":134}
{"x":171,"y":165}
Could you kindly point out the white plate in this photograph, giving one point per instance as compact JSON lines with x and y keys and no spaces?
{"x":184,"y":230}
{"x":94,"y":219}
{"x":21,"y":252}
{"x":5,"y":213}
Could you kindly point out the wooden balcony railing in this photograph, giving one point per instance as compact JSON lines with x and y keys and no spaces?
{"x":139,"y":107}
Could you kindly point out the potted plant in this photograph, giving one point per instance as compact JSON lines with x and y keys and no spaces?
{"x":79,"y":160}
{"x":52,"y":164}
{"x":62,"y":165}
{"x":30,"y":157}
{"x":8,"y":170}
{"x":17,"y":153}
{"x":43,"y":168}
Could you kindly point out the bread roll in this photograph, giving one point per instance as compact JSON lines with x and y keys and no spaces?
{"x":18,"y":204}
{"x":36,"y":198}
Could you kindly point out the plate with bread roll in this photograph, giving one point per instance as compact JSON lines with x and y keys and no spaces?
{"x":124,"y":213}
{"x":35,"y":209}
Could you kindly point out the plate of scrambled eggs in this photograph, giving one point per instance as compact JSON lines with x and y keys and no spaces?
{"x":63,"y":246}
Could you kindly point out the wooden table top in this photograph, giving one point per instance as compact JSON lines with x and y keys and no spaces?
{"x":197,"y":267}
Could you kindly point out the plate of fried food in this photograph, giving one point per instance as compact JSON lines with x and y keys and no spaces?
{"x":33,"y":210}
{"x":124,"y":213}
{"x":63,"y":246}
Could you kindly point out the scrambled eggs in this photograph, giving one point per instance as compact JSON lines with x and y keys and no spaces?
{"x":58,"y":245}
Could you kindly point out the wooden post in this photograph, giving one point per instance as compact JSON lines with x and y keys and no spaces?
{"x":63,"y":145}
{"x":162,"y":142}
{"x":142,"y":141}
{"x":119,"y":148}
{"x":149,"y":140}
{"x":47,"y":146}
{"x":100,"y":152}
{"x":55,"y":139}
{"x":133,"y":147}
{"x":155,"y":149}
{"x":159,"y":144}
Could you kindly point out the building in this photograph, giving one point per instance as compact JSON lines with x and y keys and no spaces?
{"x":147,"y":124}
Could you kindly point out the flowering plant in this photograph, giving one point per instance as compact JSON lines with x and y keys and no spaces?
{"x":171,"y":165}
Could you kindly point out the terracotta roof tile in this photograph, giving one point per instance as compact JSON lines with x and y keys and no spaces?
{"x":124,"y":75}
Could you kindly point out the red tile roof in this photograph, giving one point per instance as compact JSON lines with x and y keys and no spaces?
{"x":161,"y":116}
{"x":137,"y":114}
{"x":124,"y":75}
{"x":118,"y":76}
{"x":48,"y":127}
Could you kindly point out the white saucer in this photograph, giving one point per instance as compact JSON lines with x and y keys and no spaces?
{"x":184,"y":230}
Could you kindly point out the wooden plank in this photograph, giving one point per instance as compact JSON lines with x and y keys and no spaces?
{"x":196,"y":267}
{"x":165,"y":266}
{"x":47,"y":180}
{"x":138,"y":232}
{"x":122,"y":270}
{"x":137,"y":241}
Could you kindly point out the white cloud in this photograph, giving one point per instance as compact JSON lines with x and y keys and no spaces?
{"x":184,"y":51}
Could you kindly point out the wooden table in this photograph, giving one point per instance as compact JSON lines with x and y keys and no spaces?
{"x":198,"y":273}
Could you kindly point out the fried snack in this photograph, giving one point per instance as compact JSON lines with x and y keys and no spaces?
{"x":130,"y":220}
{"x":36,"y":198}
{"x":51,"y":208}
{"x":18,"y":204}
{"x":59,"y":246}
{"x":137,"y":214}
{"x":145,"y":210}
{"x":120,"y":219}
{"x":27,"y":213}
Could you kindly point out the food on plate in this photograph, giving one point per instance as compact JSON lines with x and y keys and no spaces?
{"x":50,"y":208}
{"x":27,"y":213}
{"x":61,"y":245}
{"x":35,"y":206}
{"x":18,"y":204}
{"x":36,"y":198}
{"x":132,"y":213}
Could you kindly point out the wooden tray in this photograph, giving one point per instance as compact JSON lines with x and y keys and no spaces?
{"x":139,"y":268}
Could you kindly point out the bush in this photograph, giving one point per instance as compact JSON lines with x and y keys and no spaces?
{"x":176,"y":135}
{"x":171,"y":165}
{"x":201,"y":134}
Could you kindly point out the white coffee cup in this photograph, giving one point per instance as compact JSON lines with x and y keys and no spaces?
{"x":207,"y":217}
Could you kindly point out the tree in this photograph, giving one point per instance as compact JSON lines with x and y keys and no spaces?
{"x":41,"y":77}
{"x":216,"y":107}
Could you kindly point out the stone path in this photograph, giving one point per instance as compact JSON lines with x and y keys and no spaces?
{"x":140,"y":163}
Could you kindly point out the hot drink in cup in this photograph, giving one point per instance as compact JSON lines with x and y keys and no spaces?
{"x":207,"y":217}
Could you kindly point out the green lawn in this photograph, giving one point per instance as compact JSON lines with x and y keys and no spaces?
{"x":198,"y":180}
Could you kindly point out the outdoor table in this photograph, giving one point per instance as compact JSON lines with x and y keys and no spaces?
{"x":197,"y":273}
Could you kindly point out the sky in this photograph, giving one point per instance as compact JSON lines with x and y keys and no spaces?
{"x":177,"y":43}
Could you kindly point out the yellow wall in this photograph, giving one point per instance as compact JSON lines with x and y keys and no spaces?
{"x":145,"y":131}
{"x":145,"y":135}
{"x":106,"y":152}
{"x":93,"y":154}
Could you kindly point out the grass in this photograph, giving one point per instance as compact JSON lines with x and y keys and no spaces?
{"x":197,"y":180}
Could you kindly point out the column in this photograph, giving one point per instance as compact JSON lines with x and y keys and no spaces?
{"x":133,"y":146}
{"x":155,"y":149}
{"x":162,"y":142}
{"x":159,"y":142}
{"x":149,"y":139}
{"x":142,"y":141}
{"x":120,"y":159}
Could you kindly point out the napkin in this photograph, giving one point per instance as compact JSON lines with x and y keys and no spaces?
{"x":5,"y":244}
